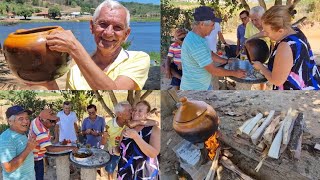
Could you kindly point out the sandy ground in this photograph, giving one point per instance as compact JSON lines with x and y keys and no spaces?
{"x":312,"y":33}
{"x":233,"y":108}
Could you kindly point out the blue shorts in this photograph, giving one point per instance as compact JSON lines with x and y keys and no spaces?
{"x":112,"y":164}
{"x":175,"y":81}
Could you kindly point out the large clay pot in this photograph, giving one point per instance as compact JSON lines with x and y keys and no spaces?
{"x":257,"y":50}
{"x":195,"y":121}
{"x":30,"y":59}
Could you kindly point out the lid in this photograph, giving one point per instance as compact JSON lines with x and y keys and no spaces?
{"x":189,"y":110}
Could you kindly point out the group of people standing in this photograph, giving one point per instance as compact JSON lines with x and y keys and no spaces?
{"x":291,"y":65}
{"x":132,"y":140}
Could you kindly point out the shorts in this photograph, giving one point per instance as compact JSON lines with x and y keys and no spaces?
{"x":112,"y":164}
{"x":175,"y":81}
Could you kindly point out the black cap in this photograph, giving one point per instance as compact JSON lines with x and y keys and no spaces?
{"x":204,"y":13}
{"x":14,"y":110}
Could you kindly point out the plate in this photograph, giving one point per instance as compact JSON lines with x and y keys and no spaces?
{"x":253,"y":76}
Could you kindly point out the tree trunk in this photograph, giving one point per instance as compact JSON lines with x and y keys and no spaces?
{"x":113,"y":98}
{"x":289,"y":2}
{"x":245,"y":5}
{"x":137,"y":96}
{"x":145,"y":95}
{"x":130,"y":97}
{"x":295,"y":2}
{"x":168,"y":102}
{"x":104,"y":105}
{"x":278,"y":2}
{"x":263,"y":4}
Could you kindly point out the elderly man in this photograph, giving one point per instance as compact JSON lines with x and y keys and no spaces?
{"x":40,"y":130}
{"x":244,"y":16}
{"x":197,"y":64}
{"x":93,"y":126}
{"x":67,"y":127}
{"x":15,"y":148}
{"x":113,"y":132}
{"x":110,"y":67}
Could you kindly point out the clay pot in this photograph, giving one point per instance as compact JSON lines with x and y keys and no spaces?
{"x":257,"y":50}
{"x":195,"y":121}
{"x":30,"y":59}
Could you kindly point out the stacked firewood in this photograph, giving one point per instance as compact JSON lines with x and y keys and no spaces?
{"x":272,"y":135}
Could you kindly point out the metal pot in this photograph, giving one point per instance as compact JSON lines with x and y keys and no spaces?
{"x":195,"y":121}
{"x":257,"y":50}
{"x":30,"y":59}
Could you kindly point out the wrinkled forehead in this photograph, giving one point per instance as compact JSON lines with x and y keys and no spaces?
{"x":255,"y":16}
{"x":117,"y":14}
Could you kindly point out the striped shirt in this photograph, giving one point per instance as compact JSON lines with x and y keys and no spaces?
{"x":175,"y":53}
{"x":195,"y":55}
{"x":42,"y":135}
{"x":11,"y":145}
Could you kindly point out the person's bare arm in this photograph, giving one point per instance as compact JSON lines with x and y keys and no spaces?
{"x":220,"y":35}
{"x":148,"y":122}
{"x":56,"y":133}
{"x":238,"y":47}
{"x":16,"y":162}
{"x":76,"y":128}
{"x":153,"y":148}
{"x":167,"y":66}
{"x":64,"y":41}
{"x":216,"y":71}
{"x":59,"y":148}
{"x":218,"y":59}
{"x":283,"y":63}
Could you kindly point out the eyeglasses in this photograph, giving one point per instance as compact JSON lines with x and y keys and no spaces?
{"x":243,"y":18}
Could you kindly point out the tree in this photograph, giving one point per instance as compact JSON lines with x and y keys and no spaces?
{"x":25,"y":11}
{"x":54,"y":12}
{"x":35,"y":2}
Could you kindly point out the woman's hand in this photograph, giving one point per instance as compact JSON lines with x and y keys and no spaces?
{"x":130,"y":133}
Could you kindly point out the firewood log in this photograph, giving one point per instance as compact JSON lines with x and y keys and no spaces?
{"x":274,"y":151}
{"x":287,"y":127}
{"x":228,"y":164}
{"x":270,"y":131}
{"x":294,"y":146}
{"x":257,"y":126}
{"x":256,"y":136}
{"x":252,"y":123}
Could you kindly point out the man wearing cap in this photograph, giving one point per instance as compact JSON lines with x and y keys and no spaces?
{"x":15,"y":148}
{"x":39,"y":129}
{"x":196,"y":57}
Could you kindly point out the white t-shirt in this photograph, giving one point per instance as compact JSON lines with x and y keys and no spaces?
{"x":66,"y":126}
{"x":212,"y":38}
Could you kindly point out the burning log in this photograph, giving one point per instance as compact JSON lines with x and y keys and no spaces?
{"x":269,"y":132}
{"x":212,"y":145}
{"x":274,"y":151}
{"x":253,"y":121}
{"x":214,"y":166}
{"x":256,"y":136}
{"x":228,"y":164}
{"x":294,"y":147}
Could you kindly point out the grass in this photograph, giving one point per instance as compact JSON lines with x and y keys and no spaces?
{"x":155,"y":56}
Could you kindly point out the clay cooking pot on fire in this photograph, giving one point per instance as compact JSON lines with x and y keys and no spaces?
{"x":30,"y":59}
{"x":195,"y":121}
{"x":257,"y":50}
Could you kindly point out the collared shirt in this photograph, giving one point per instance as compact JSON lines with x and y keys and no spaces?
{"x":252,"y":30}
{"x":195,"y":55}
{"x":97,"y":125}
{"x":133,"y":64}
{"x":114,"y":132}
{"x":212,"y":38}
{"x":175,"y":53}
{"x":11,"y":145}
{"x":42,"y":136}
{"x":66,"y":126}
{"x":240,"y":34}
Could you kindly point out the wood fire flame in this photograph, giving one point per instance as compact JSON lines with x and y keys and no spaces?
{"x":212,"y":145}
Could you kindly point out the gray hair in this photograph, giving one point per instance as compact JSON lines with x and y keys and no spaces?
{"x":113,"y":5}
{"x":120,"y":106}
{"x":257,"y":10}
{"x":206,"y":22}
{"x":11,"y":119}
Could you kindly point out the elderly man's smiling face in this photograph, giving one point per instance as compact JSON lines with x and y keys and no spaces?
{"x":110,"y":29}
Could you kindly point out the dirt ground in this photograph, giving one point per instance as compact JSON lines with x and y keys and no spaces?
{"x":233,"y":108}
{"x":312,"y":33}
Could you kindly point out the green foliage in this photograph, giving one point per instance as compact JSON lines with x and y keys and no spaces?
{"x":73,"y":4}
{"x":156,"y":57}
{"x":54,"y":12}
{"x":3,"y":127}
{"x":35,"y":2}
{"x":20,"y":1}
{"x":126,"y":45}
{"x":28,"y":100}
{"x":79,"y":100}
{"x":25,"y":11}
{"x":37,"y":10}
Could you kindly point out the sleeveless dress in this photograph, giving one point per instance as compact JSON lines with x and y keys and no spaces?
{"x":304,"y":74}
{"x":134,"y":164}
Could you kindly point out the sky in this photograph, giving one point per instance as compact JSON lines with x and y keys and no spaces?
{"x":143,"y":1}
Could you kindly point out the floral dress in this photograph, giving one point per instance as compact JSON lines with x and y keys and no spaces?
{"x":134,"y":164}
{"x":304,"y":74}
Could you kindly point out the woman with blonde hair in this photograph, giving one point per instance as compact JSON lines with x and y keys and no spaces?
{"x":291,"y":65}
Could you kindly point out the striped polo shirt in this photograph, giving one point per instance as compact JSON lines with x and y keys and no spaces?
{"x":42,"y":135}
{"x":11,"y":145}
{"x":195,"y":55}
{"x":175,"y":53}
